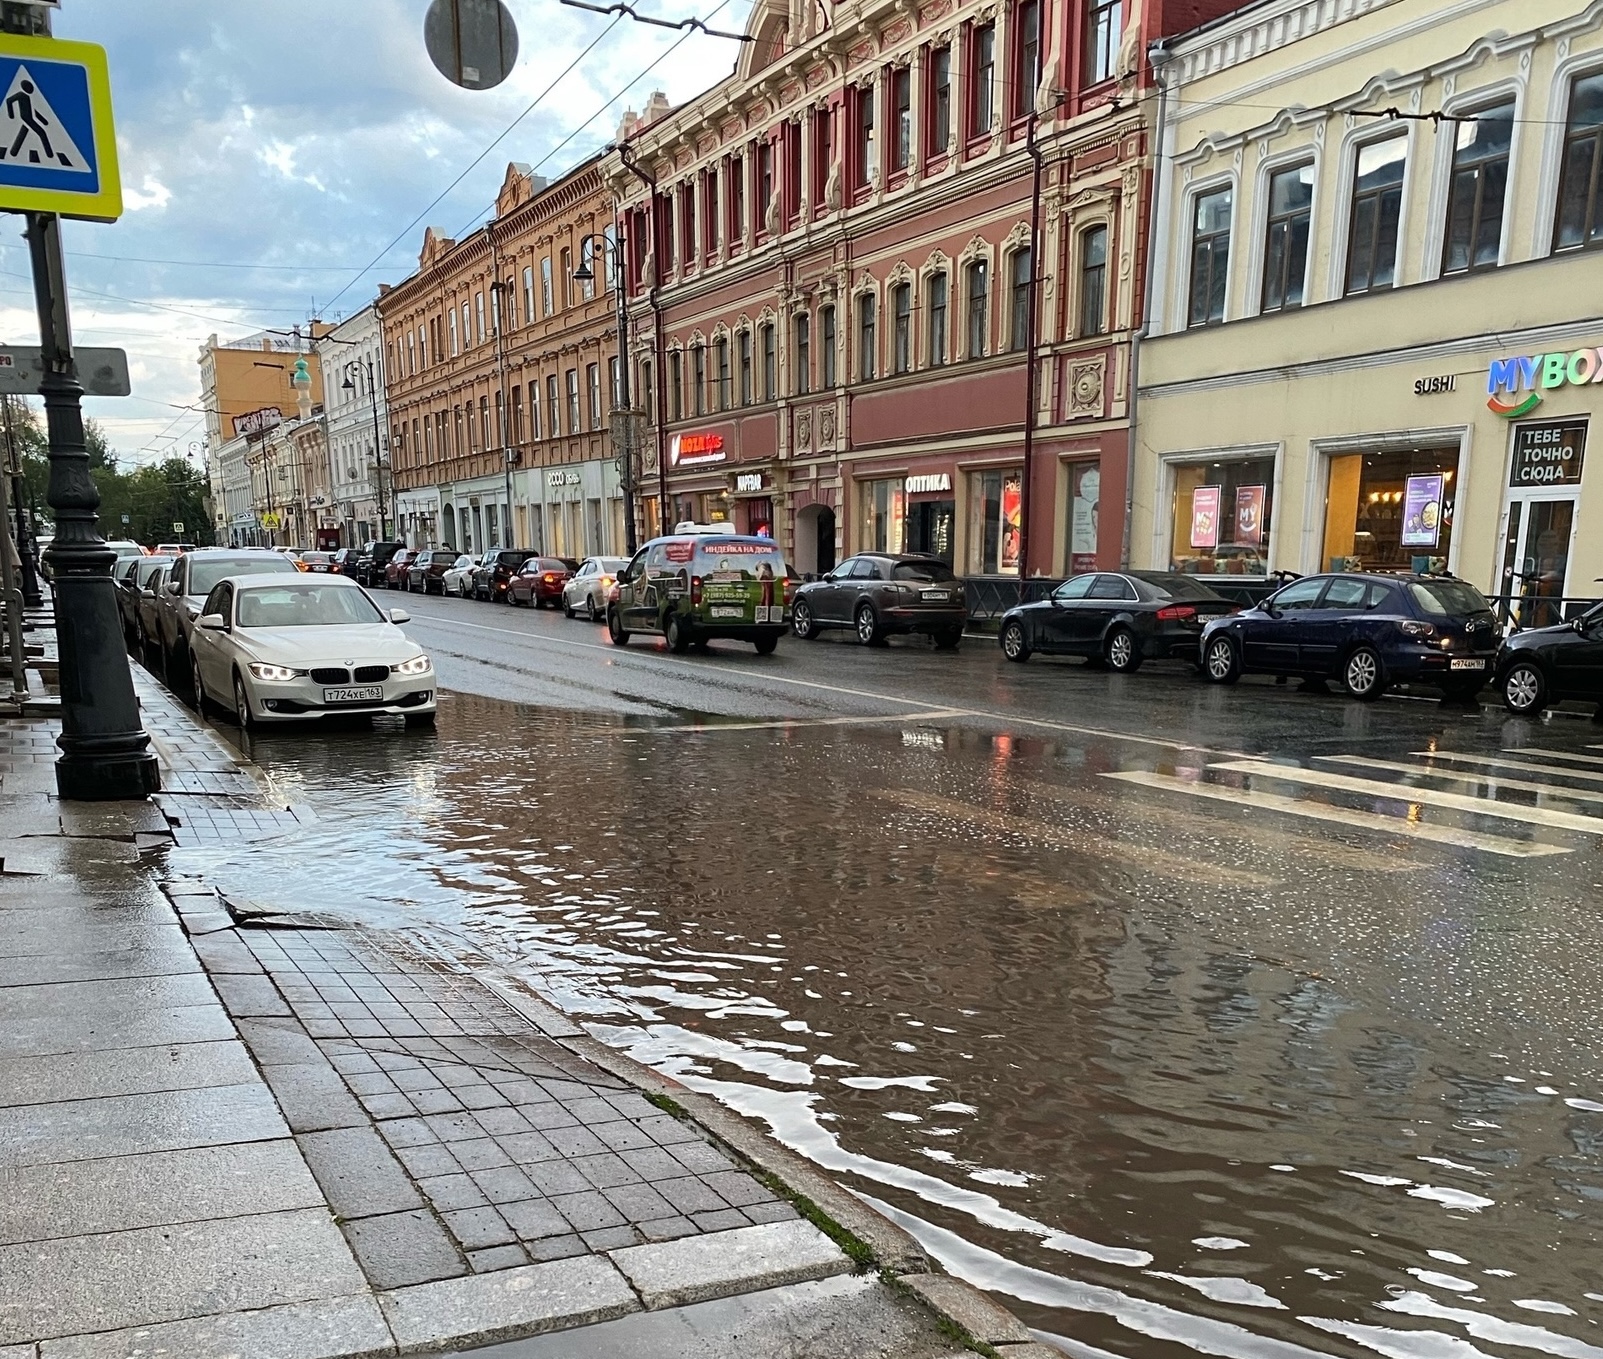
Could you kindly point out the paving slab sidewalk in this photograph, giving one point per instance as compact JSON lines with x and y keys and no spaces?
{"x":227,"y":1133}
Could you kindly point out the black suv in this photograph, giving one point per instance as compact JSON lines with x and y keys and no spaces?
{"x":371,"y":561}
{"x":490,"y":580}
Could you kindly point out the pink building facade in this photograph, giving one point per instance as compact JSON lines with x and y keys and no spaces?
{"x":883,"y":280}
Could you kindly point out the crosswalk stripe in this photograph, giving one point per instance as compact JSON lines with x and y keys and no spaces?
{"x":1554,"y":754}
{"x":1521,"y":785}
{"x":1429,"y":797}
{"x":1494,"y":762}
{"x":1346,"y":816}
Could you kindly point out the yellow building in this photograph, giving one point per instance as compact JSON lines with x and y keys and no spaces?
{"x":1374,"y":326}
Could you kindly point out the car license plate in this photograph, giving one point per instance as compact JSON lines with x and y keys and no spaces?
{"x":728,"y":611}
{"x":1468,"y":663}
{"x":371,"y":693}
{"x":935,"y":596}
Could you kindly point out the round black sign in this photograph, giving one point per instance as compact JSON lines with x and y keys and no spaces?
{"x":472,"y":43}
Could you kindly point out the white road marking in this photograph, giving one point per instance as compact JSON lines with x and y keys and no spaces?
{"x":824,"y":721}
{"x":1521,"y":785}
{"x":1346,"y":816}
{"x":1493,"y":762}
{"x":1429,"y":797}
{"x":1002,"y":720}
{"x":1553,"y":754}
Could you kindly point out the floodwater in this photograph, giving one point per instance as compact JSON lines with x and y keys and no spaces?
{"x":1171,"y":1079}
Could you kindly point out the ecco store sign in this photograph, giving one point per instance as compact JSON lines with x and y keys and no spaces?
{"x":1506,"y":379}
{"x":559,"y":479}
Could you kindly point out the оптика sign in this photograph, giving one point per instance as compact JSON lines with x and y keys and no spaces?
{"x":1535,"y":374}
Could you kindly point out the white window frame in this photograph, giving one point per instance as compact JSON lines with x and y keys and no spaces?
{"x":1257,"y":260}
{"x":1342,"y":218}
{"x":1181,"y":296}
{"x":1469,"y":101}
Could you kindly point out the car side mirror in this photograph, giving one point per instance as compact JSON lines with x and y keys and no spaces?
{"x":146,"y":592}
{"x":1273,"y":610}
{"x":172,"y":588}
{"x":1578,"y":624}
{"x":212,"y":622}
{"x":400,"y":616}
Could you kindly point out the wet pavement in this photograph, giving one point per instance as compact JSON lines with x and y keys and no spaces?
{"x":1241,"y":1022}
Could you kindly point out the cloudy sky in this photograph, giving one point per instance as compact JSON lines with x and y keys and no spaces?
{"x":271,"y":152}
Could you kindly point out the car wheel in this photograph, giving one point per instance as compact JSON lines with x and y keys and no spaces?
{"x":1014,"y":644}
{"x":868,"y":631}
{"x":595,"y":614}
{"x":1363,"y":674}
{"x":242,"y":704}
{"x":1121,"y":651}
{"x":949,"y":640}
{"x":765,"y":645}
{"x":198,"y":688}
{"x":615,"y":633}
{"x":567,"y":608}
{"x":1221,"y":665}
{"x":1524,"y":688}
{"x":677,"y":634}
{"x":802,"y":622}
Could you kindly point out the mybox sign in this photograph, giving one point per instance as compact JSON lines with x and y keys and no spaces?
{"x":1548,"y":455}
{"x":1535,"y":374}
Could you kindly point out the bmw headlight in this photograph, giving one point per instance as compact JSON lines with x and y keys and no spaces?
{"x":279,"y":673}
{"x":418,"y":665}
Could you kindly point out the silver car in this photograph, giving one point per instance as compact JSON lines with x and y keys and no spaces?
{"x":586,"y":590}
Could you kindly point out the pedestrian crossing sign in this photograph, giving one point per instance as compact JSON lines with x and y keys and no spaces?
{"x":58,"y":149}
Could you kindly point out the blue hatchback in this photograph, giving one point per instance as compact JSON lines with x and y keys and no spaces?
{"x":1368,"y":631}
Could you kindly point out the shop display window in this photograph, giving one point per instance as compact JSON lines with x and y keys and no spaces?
{"x":931,"y":528}
{"x":1221,"y":516}
{"x":1391,"y":511}
{"x":884,"y":514}
{"x":995,"y":504}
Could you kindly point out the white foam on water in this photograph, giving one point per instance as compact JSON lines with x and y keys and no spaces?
{"x":1226,"y":1289}
{"x":1218,"y":1243}
{"x":1450,"y":1282}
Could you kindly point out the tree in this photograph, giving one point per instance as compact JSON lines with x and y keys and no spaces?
{"x":153,"y":497}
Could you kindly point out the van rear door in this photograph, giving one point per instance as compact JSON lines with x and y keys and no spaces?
{"x":742,"y":583}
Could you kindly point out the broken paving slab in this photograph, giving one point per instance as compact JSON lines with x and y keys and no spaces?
{"x":508,"y":1303}
{"x":697,"y":1268}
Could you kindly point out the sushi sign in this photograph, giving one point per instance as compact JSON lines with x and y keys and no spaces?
{"x":1535,"y":374}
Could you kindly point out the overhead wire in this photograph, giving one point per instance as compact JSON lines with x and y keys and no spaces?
{"x":474,"y":163}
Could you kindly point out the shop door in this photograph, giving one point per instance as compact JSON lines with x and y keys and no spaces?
{"x":1537,"y":539}
{"x":826,"y":540}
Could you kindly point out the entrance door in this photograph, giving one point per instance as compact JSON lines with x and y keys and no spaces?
{"x":1536,"y":557}
{"x":826,"y":540}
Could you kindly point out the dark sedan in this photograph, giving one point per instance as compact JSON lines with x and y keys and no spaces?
{"x":539,"y":581}
{"x":426,"y":570}
{"x":1120,"y":618}
{"x":1547,"y":665}
{"x":1368,"y":631}
{"x":342,"y":562}
{"x":876,"y":594}
{"x":491,"y":580}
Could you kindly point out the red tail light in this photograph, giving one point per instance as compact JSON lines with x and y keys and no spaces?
{"x":695,"y":589}
{"x":784,"y":592}
{"x":1176,"y":613}
{"x":549,"y":578}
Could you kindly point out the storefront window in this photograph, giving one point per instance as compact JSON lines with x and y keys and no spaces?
{"x":1391,"y":511}
{"x":995,"y":500}
{"x":757,"y":516}
{"x":1085,"y":488}
{"x":1221,"y":517}
{"x":884,"y":511}
{"x":931,"y":516}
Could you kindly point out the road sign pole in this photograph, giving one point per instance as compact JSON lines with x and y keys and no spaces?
{"x":105,"y":752}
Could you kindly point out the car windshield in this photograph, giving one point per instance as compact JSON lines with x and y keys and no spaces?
{"x":550,"y":564}
{"x":1444,"y":597}
{"x":1175,"y":586}
{"x":205,"y":574}
{"x":924,"y":571}
{"x":304,"y":606}
{"x":611,"y":565}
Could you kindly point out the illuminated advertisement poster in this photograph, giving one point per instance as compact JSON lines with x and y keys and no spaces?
{"x":1012,"y":495}
{"x":1083,"y":518}
{"x":1249,"y":514}
{"x":1205,"y":517}
{"x":1422,"y":510}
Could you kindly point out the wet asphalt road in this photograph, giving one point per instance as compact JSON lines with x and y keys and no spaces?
{"x":1244,"y":1022}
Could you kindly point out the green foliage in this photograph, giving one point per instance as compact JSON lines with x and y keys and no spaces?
{"x":154,"y":497}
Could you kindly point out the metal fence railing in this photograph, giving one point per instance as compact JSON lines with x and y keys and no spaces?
{"x":1519,"y":611}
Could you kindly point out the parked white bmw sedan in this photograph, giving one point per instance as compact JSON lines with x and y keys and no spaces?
{"x":294,"y":648}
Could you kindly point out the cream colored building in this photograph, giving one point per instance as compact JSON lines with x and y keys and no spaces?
{"x":1334,"y":285}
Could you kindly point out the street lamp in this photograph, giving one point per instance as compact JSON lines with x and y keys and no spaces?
{"x":626,"y":452}
{"x":352,"y":368}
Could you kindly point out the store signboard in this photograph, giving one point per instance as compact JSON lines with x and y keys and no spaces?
{"x":1514,"y":386}
{"x":748,"y":481}
{"x":1422,"y":510}
{"x":1548,"y":455}
{"x":928,"y":483}
{"x":1249,"y":514}
{"x":692,"y":450}
{"x":1205,"y":516}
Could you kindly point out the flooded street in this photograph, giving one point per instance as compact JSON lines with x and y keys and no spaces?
{"x":1240,"y":1022}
